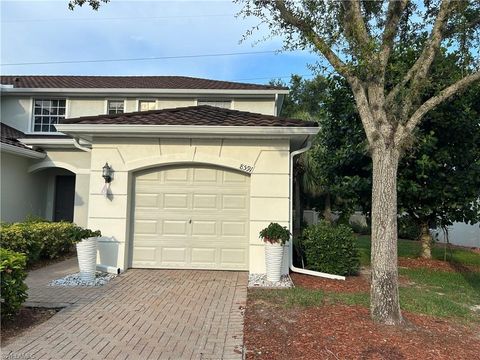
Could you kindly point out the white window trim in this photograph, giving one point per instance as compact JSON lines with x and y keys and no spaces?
{"x":137,"y":103}
{"x":115,"y":99}
{"x":31,"y":127}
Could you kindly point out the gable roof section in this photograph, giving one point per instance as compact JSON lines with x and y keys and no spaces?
{"x":9,"y":142}
{"x":128,"y":82}
{"x":10,"y":136}
{"x":202,"y":115}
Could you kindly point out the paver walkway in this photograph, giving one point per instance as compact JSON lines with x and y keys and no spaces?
{"x":142,"y":314}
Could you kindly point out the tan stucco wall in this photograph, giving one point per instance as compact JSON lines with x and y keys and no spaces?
{"x":269,"y":199}
{"x":16,"y":112}
{"x":22,"y":193}
{"x":77,"y":162}
{"x":262,"y":106}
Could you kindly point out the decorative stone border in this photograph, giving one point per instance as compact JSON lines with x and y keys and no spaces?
{"x":260,"y":281}
{"x":74,"y":280}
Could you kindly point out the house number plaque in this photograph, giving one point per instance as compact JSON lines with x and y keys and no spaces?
{"x":246,"y":168}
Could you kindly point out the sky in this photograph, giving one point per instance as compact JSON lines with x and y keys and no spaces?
{"x":47,"y":31}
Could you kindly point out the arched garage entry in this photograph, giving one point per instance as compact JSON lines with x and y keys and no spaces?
{"x":190,"y":217}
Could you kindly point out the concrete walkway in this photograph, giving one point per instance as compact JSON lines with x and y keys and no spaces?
{"x":142,"y":314}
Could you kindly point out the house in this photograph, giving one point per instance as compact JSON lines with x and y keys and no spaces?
{"x":198,"y":166}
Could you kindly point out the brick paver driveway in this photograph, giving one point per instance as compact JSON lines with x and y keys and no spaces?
{"x":143,"y":314}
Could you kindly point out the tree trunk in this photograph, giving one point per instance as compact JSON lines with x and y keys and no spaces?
{"x":426,"y":240}
{"x":327,"y":209}
{"x":297,"y":224}
{"x":384,"y":298}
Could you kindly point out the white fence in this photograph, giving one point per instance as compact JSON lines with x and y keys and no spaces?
{"x":458,"y":234}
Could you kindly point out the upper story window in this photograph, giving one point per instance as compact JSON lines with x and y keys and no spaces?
{"x":115,"y":107}
{"x":47,"y":113}
{"x":225,"y":104}
{"x":145,"y":105}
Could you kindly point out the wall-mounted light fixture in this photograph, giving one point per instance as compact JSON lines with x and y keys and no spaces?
{"x":107,"y":173}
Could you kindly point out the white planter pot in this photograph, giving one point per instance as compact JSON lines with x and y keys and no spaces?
{"x":87,"y":258}
{"x":273,"y":261}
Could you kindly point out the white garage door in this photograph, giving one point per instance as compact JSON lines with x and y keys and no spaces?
{"x":191,"y":218}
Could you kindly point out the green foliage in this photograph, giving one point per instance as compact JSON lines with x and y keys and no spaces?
{"x":408,"y":228}
{"x":42,"y":239}
{"x":331,"y":249}
{"x":275,"y":234}
{"x":12,"y":276}
{"x":359,"y":228}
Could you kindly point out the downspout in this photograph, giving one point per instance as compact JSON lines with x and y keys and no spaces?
{"x":293,"y":268}
{"x":78,"y":146}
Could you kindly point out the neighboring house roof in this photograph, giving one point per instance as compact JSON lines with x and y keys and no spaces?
{"x":128,"y":82}
{"x":9,"y":136}
{"x":9,"y":142}
{"x":202,"y":115}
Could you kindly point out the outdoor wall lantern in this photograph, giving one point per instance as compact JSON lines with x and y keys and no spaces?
{"x":107,"y":173}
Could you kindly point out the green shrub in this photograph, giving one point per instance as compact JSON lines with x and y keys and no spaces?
{"x":275,"y":234}
{"x":12,"y":287}
{"x":42,"y":239}
{"x":407,"y":228}
{"x":331,"y":249}
{"x":359,"y":228}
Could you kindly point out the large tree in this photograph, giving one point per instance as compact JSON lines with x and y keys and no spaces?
{"x":357,"y":39}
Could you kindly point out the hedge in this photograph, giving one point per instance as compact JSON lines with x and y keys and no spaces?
{"x":12,"y":275}
{"x":331,"y":249}
{"x":42,"y":239}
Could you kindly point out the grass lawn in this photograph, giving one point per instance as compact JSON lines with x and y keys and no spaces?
{"x":446,"y":294}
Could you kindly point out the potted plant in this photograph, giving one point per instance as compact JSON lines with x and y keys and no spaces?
{"x":86,"y":244}
{"x":274,"y":236}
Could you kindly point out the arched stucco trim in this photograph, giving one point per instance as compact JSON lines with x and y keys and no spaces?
{"x":57,"y":164}
{"x":178,"y":159}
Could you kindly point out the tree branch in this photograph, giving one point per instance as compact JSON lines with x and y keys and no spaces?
{"x":307,"y":30}
{"x":355,"y":28}
{"x":407,"y":129}
{"x":420,"y":69}
{"x":394,"y":14}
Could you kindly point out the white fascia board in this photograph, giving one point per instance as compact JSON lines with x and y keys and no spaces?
{"x":49,"y":142}
{"x":135,"y":91}
{"x":15,"y":150}
{"x":156,"y":130}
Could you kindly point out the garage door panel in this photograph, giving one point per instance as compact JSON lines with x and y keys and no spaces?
{"x":205,"y":201}
{"x":203,"y":256}
{"x":175,"y":201}
{"x":175,"y":175}
{"x":234,"y":202}
{"x":204,"y":228}
{"x":177,"y":255}
{"x":205,"y":175}
{"x":146,"y":227}
{"x":194,"y":217}
{"x":174,"y":227}
{"x":234,"y":228}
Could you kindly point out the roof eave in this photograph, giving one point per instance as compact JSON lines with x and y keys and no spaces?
{"x":88,"y":131}
{"x":16,"y":150}
{"x":135,"y":91}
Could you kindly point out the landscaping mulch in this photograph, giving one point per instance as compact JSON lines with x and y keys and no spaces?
{"x":347,"y":332}
{"x":432,"y":264}
{"x":45,"y":262}
{"x":26,"y":319}
{"x":353,"y":284}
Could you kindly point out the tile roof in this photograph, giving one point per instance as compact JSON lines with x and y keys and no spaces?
{"x":202,"y":115}
{"x":129,"y":82}
{"x":9,"y":135}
